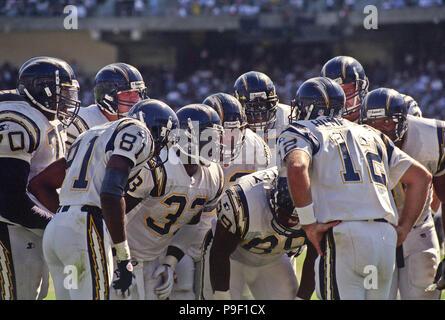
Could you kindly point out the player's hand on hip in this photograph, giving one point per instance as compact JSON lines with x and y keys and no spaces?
{"x":124,"y":277}
{"x":402,"y":233}
{"x":315,"y":232}
{"x":166,"y":272}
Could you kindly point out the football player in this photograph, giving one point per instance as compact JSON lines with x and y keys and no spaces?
{"x":29,"y":141}
{"x":91,"y":215}
{"x":244,"y":152}
{"x":266,"y":116}
{"x":117,"y":88}
{"x":162,"y":226}
{"x":385,"y":109}
{"x":352,"y":169}
{"x":255,"y":229}
{"x":350,"y":75}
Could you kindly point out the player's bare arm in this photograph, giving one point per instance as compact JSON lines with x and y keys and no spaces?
{"x":44,"y":185}
{"x":439,"y":190}
{"x":224,"y":243}
{"x":418,"y":182}
{"x":435,"y":203}
{"x":298,"y":162}
{"x":113,"y":204}
{"x":17,"y":205}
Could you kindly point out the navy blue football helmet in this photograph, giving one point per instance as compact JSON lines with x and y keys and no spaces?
{"x":348,"y":73}
{"x":118,"y":87}
{"x":234,"y":121}
{"x":385,"y":104}
{"x":162,"y":122}
{"x":412,"y":106}
{"x":317,"y":97}
{"x":200,"y":135}
{"x":50,"y":85}
{"x":258,"y":96}
{"x":285,"y":220}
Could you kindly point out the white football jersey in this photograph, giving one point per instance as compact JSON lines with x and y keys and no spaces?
{"x":89,"y":155}
{"x":26,"y":134}
{"x":271,"y":135}
{"x":255,"y":155}
{"x":424,"y":141}
{"x":87,"y":118}
{"x":353,"y":168}
{"x":171,"y":198}
{"x":244,"y":210}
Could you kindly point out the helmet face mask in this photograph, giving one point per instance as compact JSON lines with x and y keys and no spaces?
{"x":257,"y":94}
{"x":348,"y":73}
{"x":354,"y":97}
{"x":68,"y":104}
{"x":261,"y":114}
{"x":126,"y":100}
{"x":200,"y":135}
{"x":234,"y":122}
{"x":233,"y":140}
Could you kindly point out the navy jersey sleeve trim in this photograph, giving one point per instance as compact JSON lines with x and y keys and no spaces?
{"x":306,"y":134}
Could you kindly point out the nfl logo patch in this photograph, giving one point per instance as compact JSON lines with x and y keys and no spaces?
{"x":423,"y":235}
{"x":320,"y":112}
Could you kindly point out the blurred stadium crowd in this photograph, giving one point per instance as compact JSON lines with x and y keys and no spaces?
{"x":421,"y":78}
{"x":180,"y":8}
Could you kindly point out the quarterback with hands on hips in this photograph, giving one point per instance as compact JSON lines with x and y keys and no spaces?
{"x":341,"y":171}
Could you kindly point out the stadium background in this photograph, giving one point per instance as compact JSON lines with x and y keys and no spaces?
{"x":189,"y":49}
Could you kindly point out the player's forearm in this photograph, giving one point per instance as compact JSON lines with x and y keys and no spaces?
{"x":415,"y":199}
{"x":47,"y":196}
{"x":44,"y":185}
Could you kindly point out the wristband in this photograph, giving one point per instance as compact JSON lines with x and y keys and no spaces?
{"x":222,"y":295}
{"x":122,"y":251}
{"x":306,"y":214}
{"x":171,"y":261}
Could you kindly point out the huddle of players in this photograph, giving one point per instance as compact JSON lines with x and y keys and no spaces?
{"x":187,"y":223}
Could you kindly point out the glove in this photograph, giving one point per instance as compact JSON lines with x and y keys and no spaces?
{"x":124,"y":277}
{"x":439,"y":279}
{"x":166,"y":272}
